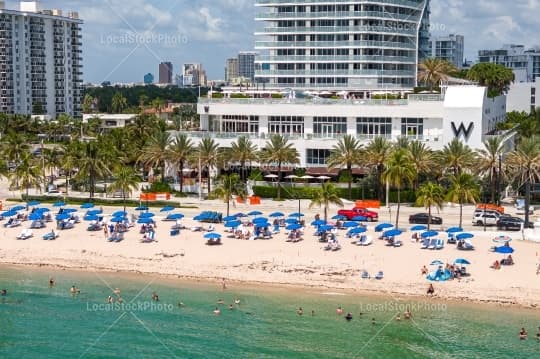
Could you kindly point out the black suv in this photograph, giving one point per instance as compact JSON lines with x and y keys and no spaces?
{"x":511,"y":223}
{"x":422,"y":218}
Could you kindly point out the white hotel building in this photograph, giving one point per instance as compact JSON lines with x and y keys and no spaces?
{"x":40,"y":60}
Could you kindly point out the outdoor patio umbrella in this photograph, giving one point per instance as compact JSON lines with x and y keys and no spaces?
{"x":167,"y":209}
{"x":419,"y":227}
{"x":59,"y":204}
{"x":233,"y":224}
{"x":454,"y":230}
{"x":277,"y":214}
{"x":392,"y":233}
{"x":119,"y":214}
{"x":212,"y":235}
{"x":461,"y":236}
{"x":383,"y":226}
{"x":87,"y":205}
{"x":33,"y":203}
{"x":293,"y":227}
{"x":359,"y":219}
{"x":428,"y":234}
{"x":461,"y":261}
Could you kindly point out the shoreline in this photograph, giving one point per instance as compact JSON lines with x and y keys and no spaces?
{"x":320,"y":289}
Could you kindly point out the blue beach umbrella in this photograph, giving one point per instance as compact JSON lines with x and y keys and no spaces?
{"x":33,"y":203}
{"x":230,"y":218}
{"x":118,"y":219}
{"x":296,"y":215}
{"x":428,"y":234}
{"x":504,"y":250}
{"x":42,"y":210}
{"x":461,"y":261}
{"x":59,"y":204}
{"x":392,"y":233}
{"x":69,"y":210}
{"x":350,"y":224}
{"x":17,"y":208}
{"x":212,"y":235}
{"x":262,"y":224}
{"x":419,"y":227}
{"x":9,"y":214}
{"x":357,"y":230}
{"x":254,"y":213}
{"x":94,"y":212}
{"x":146,"y":215}
{"x":293,"y":227}
{"x":318,"y":222}
{"x":240,"y":215}
{"x":62,"y":216}
{"x":175,"y":216}
{"x":141,"y":208}
{"x":339,"y":217}
{"x":325,"y":228}
{"x":461,"y":236}
{"x":167,"y":209}
{"x":260,"y":220}
{"x":232,"y":224}
{"x":87,"y":205}
{"x":36,"y":216}
{"x":91,"y":217}
{"x":454,"y":230}
{"x":436,"y":262}
{"x":381,"y":227}
{"x":144,"y":220}
{"x":291,"y":221}
{"x":359,"y":219}
{"x":277,"y":214}
{"x":119,"y":214}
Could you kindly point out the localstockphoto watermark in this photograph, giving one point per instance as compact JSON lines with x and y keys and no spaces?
{"x":133,"y":38}
{"x":401,"y":307}
{"x":143,"y":306}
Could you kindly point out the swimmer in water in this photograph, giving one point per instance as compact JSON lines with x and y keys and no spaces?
{"x":348,"y":317}
{"x":120,"y":300}
{"x":407,"y":314}
{"x":312,"y":313}
{"x":231,"y":307}
{"x":155,"y":297}
{"x":217,"y":311}
{"x":74,"y":290}
{"x":181,"y":304}
{"x":117,"y":291}
{"x":237,"y":301}
{"x":110,"y":300}
{"x":220,"y":301}
{"x":339,"y":311}
{"x":3,"y":292}
{"x":300,"y":311}
{"x":523,"y":334}
{"x":51,"y":282}
{"x":373,"y":321}
{"x":538,"y":334}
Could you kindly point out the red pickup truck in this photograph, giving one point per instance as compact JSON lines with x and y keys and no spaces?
{"x":355,"y":212}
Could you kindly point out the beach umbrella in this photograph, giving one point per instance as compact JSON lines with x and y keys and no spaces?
{"x":240,"y":215}
{"x":428,"y":234}
{"x":436,"y":262}
{"x":59,"y":204}
{"x":9,"y":214}
{"x":454,"y":230}
{"x":262,"y":224}
{"x":212,"y":235}
{"x":175,"y":216}
{"x":143,"y":220}
{"x":461,"y":236}
{"x":291,"y":221}
{"x":502,"y":239}
{"x":141,"y":208}
{"x":33,"y":203}
{"x":293,"y":227}
{"x":230,"y":218}
{"x":199,"y":217}
{"x":325,"y":228}
{"x":383,"y":226}
{"x":271,"y":176}
{"x":233,"y":224}
{"x":392,"y":233}
{"x":119,"y":214}
{"x":17,"y":208}
{"x":339,"y":217}
{"x":62,"y":216}
{"x":359,"y":219}
{"x":277,"y":214}
{"x":419,"y":227}
{"x":91,"y":217}
{"x":260,"y":219}
{"x":146,"y":215}
{"x":117,"y":219}
{"x":461,"y":261}
{"x":296,"y":215}
{"x":36,"y":216}
{"x":42,"y":210}
{"x":94,"y":212}
{"x":350,"y":224}
{"x":87,"y":205}
{"x":167,"y":209}
{"x":504,"y":250}
{"x":318,"y":222}
{"x":69,"y":210}
{"x":254,"y":213}
{"x":357,"y":230}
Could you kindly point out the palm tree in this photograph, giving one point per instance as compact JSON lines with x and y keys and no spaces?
{"x":228,"y":187}
{"x":524,"y":163}
{"x":463,"y":189}
{"x":422,"y":160}
{"x":14,"y":145}
{"x":324,"y":196}
{"x":51,"y":161}
{"x":119,"y":102}
{"x":27,"y":174}
{"x":399,"y":171}
{"x":208,"y":153}
{"x":490,"y":157}
{"x":279,"y":151}
{"x":433,"y":71}
{"x":375,"y":155}
{"x":180,"y":151}
{"x":430,"y":195}
{"x":457,"y":157}
{"x":156,"y":152}
{"x":93,"y":164}
{"x":345,"y":154}
{"x":125,"y":180}
{"x":243,"y":151}
{"x":70,"y":154}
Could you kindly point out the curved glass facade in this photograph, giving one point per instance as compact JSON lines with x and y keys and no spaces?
{"x":341,"y":44}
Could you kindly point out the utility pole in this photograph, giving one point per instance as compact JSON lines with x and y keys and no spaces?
{"x":200,"y":180}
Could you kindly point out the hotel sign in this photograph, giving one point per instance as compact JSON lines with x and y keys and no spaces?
{"x":462,"y":130}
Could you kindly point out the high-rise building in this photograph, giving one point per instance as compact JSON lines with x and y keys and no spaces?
{"x":231,"y":69}
{"x":342,"y":44}
{"x":40,"y":61}
{"x":165,"y":73}
{"x":524,"y":63}
{"x":193,"y":74}
{"x":148,"y":79}
{"x":246,"y":64}
{"x":449,"y":48}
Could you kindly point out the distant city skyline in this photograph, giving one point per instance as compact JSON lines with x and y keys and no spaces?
{"x":124,"y":39}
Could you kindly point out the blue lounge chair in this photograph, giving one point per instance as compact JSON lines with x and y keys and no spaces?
{"x":439,"y":244}
{"x":380,"y":275}
{"x":425,"y":244}
{"x":432,"y":243}
{"x":365,"y":275}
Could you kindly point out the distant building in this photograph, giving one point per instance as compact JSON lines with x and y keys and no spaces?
{"x":524,"y":63}
{"x":111,"y":121}
{"x":165,"y":73}
{"x":193,"y":74}
{"x":40,"y":61}
{"x":521,"y":96}
{"x":231,"y":69}
{"x":449,"y":48}
{"x":246,"y":64}
{"x":148,"y":79}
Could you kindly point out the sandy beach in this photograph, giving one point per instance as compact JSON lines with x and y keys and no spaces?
{"x":276,"y":261}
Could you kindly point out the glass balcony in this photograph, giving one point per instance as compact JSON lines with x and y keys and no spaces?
{"x":379,"y":73}
{"x":336,"y":58}
{"x":341,"y":15}
{"x":406,"y":3}
{"x":334,"y":44}
{"x":339,"y":29}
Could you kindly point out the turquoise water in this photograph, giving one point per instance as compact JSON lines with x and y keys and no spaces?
{"x":41,"y":322}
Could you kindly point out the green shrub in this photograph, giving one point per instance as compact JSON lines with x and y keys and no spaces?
{"x":276,"y":95}
{"x":73,"y":201}
{"x":158,"y":187}
{"x":217,"y":95}
{"x":238,"y":95}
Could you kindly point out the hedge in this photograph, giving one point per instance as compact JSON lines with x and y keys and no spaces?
{"x":118,"y":202}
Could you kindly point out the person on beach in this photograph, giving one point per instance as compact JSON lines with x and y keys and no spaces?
{"x":155,"y":297}
{"x":106,"y":231}
{"x":217,"y":311}
{"x":74,"y":290}
{"x":431,"y":290}
{"x":223,"y":284}
{"x":522,"y":334}
{"x":300,"y":311}
{"x":398,"y":317}
{"x":407,"y":314}
{"x":424,"y":270}
{"x":348,"y":317}
{"x":3,"y":292}
{"x":496,"y":265}
{"x":51,"y":282}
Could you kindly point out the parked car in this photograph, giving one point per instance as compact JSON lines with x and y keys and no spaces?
{"x":511,"y":224}
{"x":355,"y":212}
{"x":485,"y":219}
{"x":422,"y":218}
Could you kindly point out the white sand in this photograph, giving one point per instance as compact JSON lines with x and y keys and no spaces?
{"x":279,"y":262}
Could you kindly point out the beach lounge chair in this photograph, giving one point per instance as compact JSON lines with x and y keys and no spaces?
{"x":149,"y":237}
{"x":365,"y":274}
{"x":50,"y":236}
{"x":439,"y":244}
{"x":379,"y":275}
{"x":336,"y":246}
{"x":425,"y":244}
{"x":12,"y":223}
{"x":398,"y":243}
{"x":175,"y":232}
{"x":25,"y":234}
{"x":37,"y":224}
{"x":432,"y":244}
{"x":366,"y":240}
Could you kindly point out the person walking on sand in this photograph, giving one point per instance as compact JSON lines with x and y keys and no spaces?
{"x":223,"y":284}
{"x":431,"y":290}
{"x":106,"y":231}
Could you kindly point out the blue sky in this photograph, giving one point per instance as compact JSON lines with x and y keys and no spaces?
{"x":124,"y":39}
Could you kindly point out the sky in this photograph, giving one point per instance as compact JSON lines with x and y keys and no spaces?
{"x":125,"y":39}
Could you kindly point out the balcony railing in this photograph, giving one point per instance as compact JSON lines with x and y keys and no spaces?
{"x":413,"y":18}
{"x":334,"y":44}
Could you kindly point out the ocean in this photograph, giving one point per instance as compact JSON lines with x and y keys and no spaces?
{"x":38,"y":321}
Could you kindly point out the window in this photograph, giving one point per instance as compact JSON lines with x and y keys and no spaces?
{"x":291,"y":125}
{"x":412,"y":127}
{"x":239,"y":124}
{"x":374,"y":126}
{"x":316,"y":156}
{"x":329,"y":126}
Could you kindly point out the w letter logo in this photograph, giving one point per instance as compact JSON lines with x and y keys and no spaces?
{"x":462,"y":130}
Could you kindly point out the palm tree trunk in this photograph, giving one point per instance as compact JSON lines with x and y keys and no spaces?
{"x":325,"y":213}
{"x":460,"y":213}
{"x":493,"y":185}
{"x":124,"y":198}
{"x":349,"y":169}
{"x":209,"y":190}
{"x":429,"y":218}
{"x":398,"y":205}
{"x":279,"y":181}
{"x":228,"y":205}
{"x":162,"y":172}
{"x":181,"y":176}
